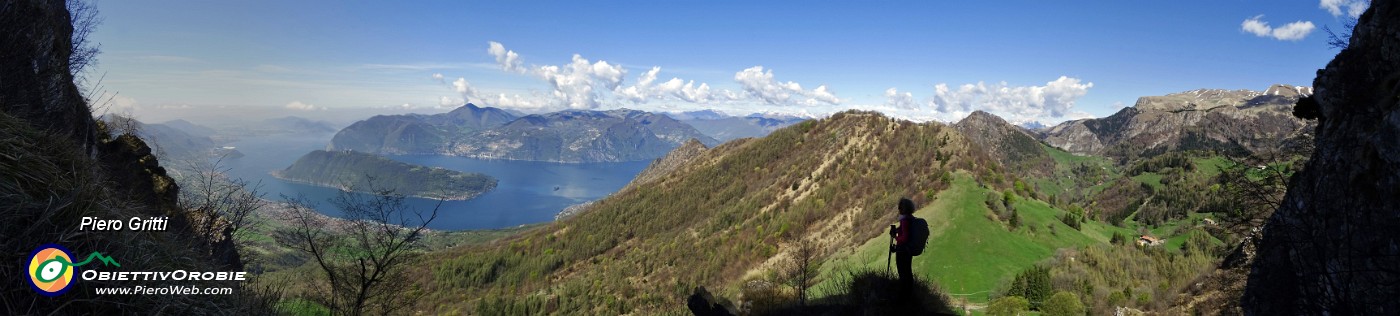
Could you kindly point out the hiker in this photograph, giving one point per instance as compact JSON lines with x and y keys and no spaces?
{"x":909,"y":239}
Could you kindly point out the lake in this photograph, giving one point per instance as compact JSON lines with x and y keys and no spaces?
{"x":527,"y":192}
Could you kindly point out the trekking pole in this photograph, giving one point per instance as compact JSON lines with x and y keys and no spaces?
{"x":891,"y":253}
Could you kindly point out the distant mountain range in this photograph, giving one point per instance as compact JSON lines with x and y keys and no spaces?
{"x":725,"y":127}
{"x":1213,"y":119}
{"x":484,"y":132}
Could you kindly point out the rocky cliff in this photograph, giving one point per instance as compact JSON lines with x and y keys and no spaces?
{"x":58,"y":165}
{"x":1209,"y":119}
{"x":36,"y":84}
{"x":1332,"y":248}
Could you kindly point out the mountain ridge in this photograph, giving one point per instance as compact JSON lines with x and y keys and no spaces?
{"x":820,"y":180}
{"x":1211,"y":119}
{"x":570,"y":136}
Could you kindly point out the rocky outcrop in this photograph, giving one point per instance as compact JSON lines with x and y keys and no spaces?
{"x":1333,"y":246}
{"x":37,"y":87}
{"x":675,"y":159}
{"x":36,"y":84}
{"x":1206,"y":119}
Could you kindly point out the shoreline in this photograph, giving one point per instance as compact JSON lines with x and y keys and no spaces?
{"x":456,"y":197}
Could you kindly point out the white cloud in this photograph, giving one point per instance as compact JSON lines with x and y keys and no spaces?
{"x":589,"y":84}
{"x":1256,"y":27}
{"x":1293,"y":31}
{"x":760,"y":84}
{"x":447,"y":102}
{"x":1053,"y":100}
{"x":1288,"y":32}
{"x":646,"y":89}
{"x":174,"y":106}
{"x":895,"y":99}
{"x":822,"y":94}
{"x":1352,"y":8}
{"x":439,"y":77}
{"x":507,"y":59}
{"x":533,"y":101}
{"x":122,"y":104}
{"x":576,"y":84}
{"x":461,"y":86}
{"x":299,"y":106}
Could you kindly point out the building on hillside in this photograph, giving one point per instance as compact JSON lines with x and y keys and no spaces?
{"x":1146,"y":240}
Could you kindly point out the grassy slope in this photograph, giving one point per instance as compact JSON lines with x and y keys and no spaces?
{"x":1064,"y":179}
{"x":714,"y":222}
{"x":969,"y":253}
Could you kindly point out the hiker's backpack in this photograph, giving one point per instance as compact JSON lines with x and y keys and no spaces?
{"x":918,"y":236}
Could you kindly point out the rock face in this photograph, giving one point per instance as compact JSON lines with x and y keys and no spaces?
{"x":1333,"y":247}
{"x":36,"y":84}
{"x":1212,"y":119}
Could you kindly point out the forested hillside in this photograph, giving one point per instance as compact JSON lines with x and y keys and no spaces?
{"x":367,"y":172}
{"x":726,"y":216}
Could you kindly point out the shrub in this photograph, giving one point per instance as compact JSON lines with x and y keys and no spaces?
{"x":1063,"y":304}
{"x":1010,"y":305}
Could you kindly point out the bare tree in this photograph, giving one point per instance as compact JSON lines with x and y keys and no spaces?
{"x":85,"y":20}
{"x":363,"y":256}
{"x":800,"y":272}
{"x":1343,"y":39}
{"x":1256,"y":183}
{"x":217,"y":203}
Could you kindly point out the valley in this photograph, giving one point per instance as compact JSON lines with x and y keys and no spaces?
{"x":640,"y":159}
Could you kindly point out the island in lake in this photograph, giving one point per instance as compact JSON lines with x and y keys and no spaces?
{"x":352,"y":170}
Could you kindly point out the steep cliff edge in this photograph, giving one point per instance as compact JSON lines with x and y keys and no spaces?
{"x":1332,"y":248}
{"x":59,"y":165}
{"x":36,"y":84}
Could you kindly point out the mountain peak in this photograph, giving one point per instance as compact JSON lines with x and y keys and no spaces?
{"x":1288,"y":90}
{"x":983,"y":116}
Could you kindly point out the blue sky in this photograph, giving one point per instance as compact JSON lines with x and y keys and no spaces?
{"x":1048,"y":61}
